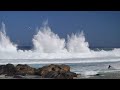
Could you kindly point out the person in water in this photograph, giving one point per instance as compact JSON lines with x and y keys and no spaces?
{"x":109,"y":66}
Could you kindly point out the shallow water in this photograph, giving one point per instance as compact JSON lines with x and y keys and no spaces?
{"x":89,"y":69}
{"x":92,"y":70}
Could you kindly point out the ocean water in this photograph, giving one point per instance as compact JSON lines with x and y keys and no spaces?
{"x":88,"y":69}
{"x":49,"y":48}
{"x":84,"y":66}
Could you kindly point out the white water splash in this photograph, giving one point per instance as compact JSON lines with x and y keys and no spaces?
{"x":45,"y":41}
{"x":50,"y":48}
{"x":5,"y":44}
{"x":76,"y":43}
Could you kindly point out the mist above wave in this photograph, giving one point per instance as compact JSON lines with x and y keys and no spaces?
{"x":48,"y":45}
{"x":46,"y":41}
{"x":5,"y":44}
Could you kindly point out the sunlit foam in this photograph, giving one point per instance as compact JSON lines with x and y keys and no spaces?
{"x":48,"y":45}
{"x":77,"y":44}
{"x":46,"y":41}
{"x":5,"y":44}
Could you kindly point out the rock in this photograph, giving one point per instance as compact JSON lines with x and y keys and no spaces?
{"x":57,"y":68}
{"x":8,"y":69}
{"x":78,"y":76}
{"x":56,"y":75}
{"x":66,"y":75}
{"x":56,"y":71}
{"x":65,"y":68}
{"x":70,"y":75}
{"x":24,"y":69}
{"x":50,"y":71}
{"x":2,"y":69}
{"x":51,"y":74}
{"x":20,"y":73}
{"x":45,"y":69}
{"x":60,"y":76}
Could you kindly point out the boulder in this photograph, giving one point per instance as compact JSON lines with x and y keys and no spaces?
{"x":70,"y":75}
{"x":57,"y":75}
{"x":50,"y":71}
{"x":24,"y":69}
{"x":64,"y":68}
{"x":51,"y":74}
{"x":8,"y":69}
{"x":2,"y":69}
{"x":56,"y":72}
{"x":57,"y":68}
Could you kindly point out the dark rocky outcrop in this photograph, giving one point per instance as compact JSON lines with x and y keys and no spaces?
{"x":57,"y":75}
{"x":24,"y":69}
{"x":2,"y":69}
{"x":56,"y":71}
{"x":50,"y":71}
{"x":8,"y":69}
{"x":56,"y":68}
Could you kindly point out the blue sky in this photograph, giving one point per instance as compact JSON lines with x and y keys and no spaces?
{"x":101,"y":28}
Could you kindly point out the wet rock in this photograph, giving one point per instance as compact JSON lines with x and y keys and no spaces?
{"x":56,"y":71}
{"x":51,"y":71}
{"x":57,"y":68}
{"x":2,"y":69}
{"x":8,"y":69}
{"x":64,"y":68}
{"x":51,"y":74}
{"x":70,"y":75}
{"x":24,"y":69}
{"x":57,"y":75}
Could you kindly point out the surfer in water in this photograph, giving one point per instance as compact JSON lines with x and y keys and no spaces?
{"x":109,"y":66}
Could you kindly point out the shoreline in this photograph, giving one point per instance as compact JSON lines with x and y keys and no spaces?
{"x":24,"y":71}
{"x":50,"y":71}
{"x":110,"y":75}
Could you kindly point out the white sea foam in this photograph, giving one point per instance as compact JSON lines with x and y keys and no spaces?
{"x":89,"y":73}
{"x":45,"y":41}
{"x":5,"y":44}
{"x":50,"y":48}
{"x":77,"y":44}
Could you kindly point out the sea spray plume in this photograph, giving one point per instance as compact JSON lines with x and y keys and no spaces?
{"x":77,"y":44}
{"x":5,"y":44}
{"x":53,"y":49}
{"x":46,"y":41}
{"x":3,"y":29}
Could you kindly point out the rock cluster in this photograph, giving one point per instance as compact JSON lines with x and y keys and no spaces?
{"x":51,"y":71}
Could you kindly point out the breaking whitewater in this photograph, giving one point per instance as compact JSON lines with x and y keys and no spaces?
{"x":49,"y":48}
